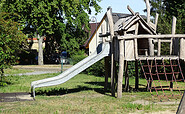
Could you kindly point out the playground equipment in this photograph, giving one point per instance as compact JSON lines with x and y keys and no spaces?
{"x":131,"y":38}
{"x":102,"y":51}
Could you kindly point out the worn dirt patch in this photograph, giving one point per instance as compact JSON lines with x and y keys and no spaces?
{"x":143,"y":102}
{"x":12,"y":97}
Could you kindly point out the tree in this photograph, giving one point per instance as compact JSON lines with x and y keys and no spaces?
{"x":167,"y":9}
{"x":11,"y":40}
{"x":60,"y":21}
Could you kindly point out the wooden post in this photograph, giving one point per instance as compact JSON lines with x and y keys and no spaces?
{"x":148,"y":10}
{"x":136,"y":59}
{"x":107,"y":72}
{"x":112,"y":69}
{"x":136,"y":76}
{"x":126,"y":77}
{"x":156,"y":20}
{"x":121,"y":69}
{"x":175,"y":42}
{"x":182,"y":49}
{"x":181,"y":108}
{"x":159,"y":48}
{"x":151,"y":47}
{"x":111,"y":24}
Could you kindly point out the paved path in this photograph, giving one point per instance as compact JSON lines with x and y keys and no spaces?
{"x":38,"y":69}
{"x":11,"y":97}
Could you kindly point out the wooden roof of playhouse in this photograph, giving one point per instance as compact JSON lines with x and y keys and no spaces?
{"x":126,"y":22}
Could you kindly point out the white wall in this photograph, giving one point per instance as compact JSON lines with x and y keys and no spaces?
{"x":96,"y":40}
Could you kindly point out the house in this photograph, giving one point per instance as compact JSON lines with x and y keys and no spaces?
{"x":94,"y":40}
{"x":33,"y":43}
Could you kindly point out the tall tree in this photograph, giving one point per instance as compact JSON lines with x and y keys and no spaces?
{"x":60,"y":21}
{"x":11,"y":40}
{"x":167,"y":9}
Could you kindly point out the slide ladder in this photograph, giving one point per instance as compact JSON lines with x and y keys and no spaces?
{"x":164,"y":75}
{"x":103,"y":50}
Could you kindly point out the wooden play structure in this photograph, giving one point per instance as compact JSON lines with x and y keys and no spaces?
{"x":134,"y":38}
{"x":121,"y":38}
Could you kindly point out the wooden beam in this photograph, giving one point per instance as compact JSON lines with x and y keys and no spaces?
{"x":175,"y":42}
{"x":182,"y":49}
{"x":121,"y":69}
{"x":126,"y":77}
{"x":181,"y":108}
{"x":148,"y":10}
{"x":156,"y":20}
{"x":131,"y":11}
{"x":112,"y":69}
{"x":159,"y":48}
{"x":136,"y":76}
{"x":151,"y":36}
{"x":111,"y":24}
{"x":158,"y":58}
{"x":135,"y":41}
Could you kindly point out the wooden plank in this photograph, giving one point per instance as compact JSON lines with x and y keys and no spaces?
{"x":129,"y":45}
{"x":157,"y":58}
{"x":148,"y":30}
{"x":152,"y":36}
{"x":131,"y":23}
{"x":121,"y":69}
{"x":152,"y":25}
{"x":128,"y":21}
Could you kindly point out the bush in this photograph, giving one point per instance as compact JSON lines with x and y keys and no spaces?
{"x":80,"y":55}
{"x":96,"y":69}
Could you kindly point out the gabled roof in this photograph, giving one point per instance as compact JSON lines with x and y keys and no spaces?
{"x":123,"y":22}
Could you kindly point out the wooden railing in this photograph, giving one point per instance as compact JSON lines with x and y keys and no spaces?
{"x":176,"y":49}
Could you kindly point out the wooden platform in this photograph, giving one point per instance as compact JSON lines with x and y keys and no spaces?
{"x":157,"y":57}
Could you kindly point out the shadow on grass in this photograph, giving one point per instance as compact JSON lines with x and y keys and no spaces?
{"x":63,"y":91}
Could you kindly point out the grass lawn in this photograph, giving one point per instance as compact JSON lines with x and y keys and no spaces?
{"x":83,"y":94}
{"x":16,"y":71}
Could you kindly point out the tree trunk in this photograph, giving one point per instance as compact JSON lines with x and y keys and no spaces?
{"x":2,"y":74}
{"x":40,"y":54}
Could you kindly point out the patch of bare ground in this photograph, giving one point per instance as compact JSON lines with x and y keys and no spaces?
{"x":158,"y":112}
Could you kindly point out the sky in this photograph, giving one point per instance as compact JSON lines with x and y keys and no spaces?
{"x":120,"y":6}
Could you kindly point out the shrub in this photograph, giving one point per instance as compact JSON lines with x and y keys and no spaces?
{"x":96,"y":69}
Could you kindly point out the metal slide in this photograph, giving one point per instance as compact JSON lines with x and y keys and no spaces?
{"x":103,"y":50}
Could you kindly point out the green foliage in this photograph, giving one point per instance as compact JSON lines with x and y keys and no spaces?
{"x":61,"y":21}
{"x":80,"y":55}
{"x":167,"y":9}
{"x":11,"y":39}
{"x":96,"y":69}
